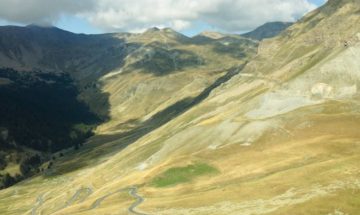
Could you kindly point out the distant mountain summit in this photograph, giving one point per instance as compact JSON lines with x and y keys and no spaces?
{"x":162,"y":35}
{"x":267,"y":30}
{"x":212,"y":35}
{"x":39,"y":26}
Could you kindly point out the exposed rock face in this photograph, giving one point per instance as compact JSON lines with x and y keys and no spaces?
{"x":321,"y":90}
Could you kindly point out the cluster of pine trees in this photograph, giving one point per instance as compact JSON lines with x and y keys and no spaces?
{"x":39,"y":111}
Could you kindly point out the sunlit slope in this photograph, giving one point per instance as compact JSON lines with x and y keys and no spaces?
{"x":283,"y":133}
{"x":109,"y":69}
{"x":281,"y":137}
{"x":161,"y":75}
{"x":168,"y":67}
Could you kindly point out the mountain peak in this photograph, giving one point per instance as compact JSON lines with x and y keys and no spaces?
{"x":152,"y":30}
{"x":212,"y":35}
{"x":162,"y":30}
{"x":169,"y":30}
{"x":168,"y":33}
{"x":267,"y":30}
{"x":39,"y":26}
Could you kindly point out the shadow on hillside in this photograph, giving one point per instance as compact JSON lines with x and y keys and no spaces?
{"x":91,"y":153}
{"x":238,"y":49}
{"x":160,"y":60}
{"x":40,"y":108}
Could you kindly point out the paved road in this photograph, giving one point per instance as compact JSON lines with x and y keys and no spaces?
{"x":139,"y":200}
{"x":77,"y":196}
{"x":88,"y":191}
{"x":98,"y":201}
{"x":132,"y":192}
{"x":38,"y":203}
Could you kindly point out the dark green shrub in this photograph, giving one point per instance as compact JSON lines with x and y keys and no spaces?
{"x":6,"y":181}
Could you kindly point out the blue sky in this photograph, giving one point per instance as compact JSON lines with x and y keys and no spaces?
{"x":318,"y":2}
{"x":71,"y":21}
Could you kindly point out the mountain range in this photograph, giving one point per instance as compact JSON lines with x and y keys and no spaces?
{"x":56,"y":89}
{"x":161,"y":123}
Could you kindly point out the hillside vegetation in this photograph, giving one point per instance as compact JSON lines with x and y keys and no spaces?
{"x":274,"y":132}
{"x":56,"y":87}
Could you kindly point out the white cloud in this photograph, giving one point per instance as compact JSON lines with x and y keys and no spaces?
{"x":240,"y":15}
{"x":41,"y":11}
{"x":180,"y":24}
{"x":229,"y":15}
{"x":132,"y":15}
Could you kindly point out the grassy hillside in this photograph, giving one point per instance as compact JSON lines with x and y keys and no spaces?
{"x":276,"y":135}
{"x":178,"y":175}
{"x":56,"y":87}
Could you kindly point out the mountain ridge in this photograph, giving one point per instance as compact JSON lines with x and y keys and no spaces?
{"x":267,"y":30}
{"x":271,"y":132}
{"x":156,"y":62}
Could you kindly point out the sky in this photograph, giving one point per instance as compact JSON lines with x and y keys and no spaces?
{"x":187,"y":16}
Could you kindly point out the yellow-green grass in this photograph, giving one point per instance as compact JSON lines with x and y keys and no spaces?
{"x":178,"y":175}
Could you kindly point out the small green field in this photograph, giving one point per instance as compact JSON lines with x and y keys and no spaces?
{"x":178,"y":175}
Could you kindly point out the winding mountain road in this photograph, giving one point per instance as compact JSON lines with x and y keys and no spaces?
{"x":139,"y":200}
{"x":132,"y":192}
{"x":38,"y":203}
{"x":86,"y":191}
{"x":98,"y":201}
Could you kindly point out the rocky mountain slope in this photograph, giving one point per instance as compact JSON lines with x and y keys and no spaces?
{"x":267,"y":30}
{"x":276,"y":135}
{"x":56,"y":85}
